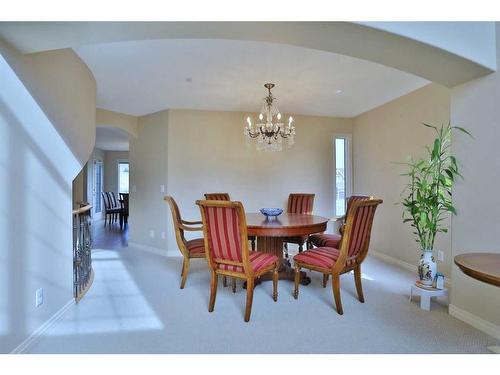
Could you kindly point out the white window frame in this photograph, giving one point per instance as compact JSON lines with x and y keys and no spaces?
{"x":348,"y":165}
{"x":118,"y":161}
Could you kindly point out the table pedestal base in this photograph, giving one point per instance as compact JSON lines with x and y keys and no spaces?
{"x":274,"y":245}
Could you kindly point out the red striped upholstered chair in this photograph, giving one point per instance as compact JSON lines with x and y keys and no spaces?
{"x":189,"y":249}
{"x":333,"y":240}
{"x":299,"y":203}
{"x":225,"y":197}
{"x":352,"y":252}
{"x":226,"y":246}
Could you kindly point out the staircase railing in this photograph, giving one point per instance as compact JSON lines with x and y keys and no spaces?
{"x":83,"y":274}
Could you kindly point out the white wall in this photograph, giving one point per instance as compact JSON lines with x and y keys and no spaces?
{"x":387,"y":135}
{"x":204,"y":151}
{"x":47,"y":103}
{"x":111,"y":159}
{"x":475,"y":105}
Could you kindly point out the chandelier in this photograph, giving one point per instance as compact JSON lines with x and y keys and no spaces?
{"x":270,"y":131}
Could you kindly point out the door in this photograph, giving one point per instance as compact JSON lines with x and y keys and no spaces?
{"x":97,"y":189}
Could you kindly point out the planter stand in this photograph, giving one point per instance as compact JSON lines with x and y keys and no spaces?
{"x":426,"y":295}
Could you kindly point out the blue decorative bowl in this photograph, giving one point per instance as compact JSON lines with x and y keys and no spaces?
{"x":271,"y":212}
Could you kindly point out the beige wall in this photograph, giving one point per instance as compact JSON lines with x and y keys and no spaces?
{"x":111,"y":159}
{"x":203,"y":151}
{"x":386,"y":135}
{"x":148,"y":171}
{"x":475,"y":105}
{"x":105,"y":118}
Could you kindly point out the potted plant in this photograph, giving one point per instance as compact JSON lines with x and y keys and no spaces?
{"x":427,"y":198}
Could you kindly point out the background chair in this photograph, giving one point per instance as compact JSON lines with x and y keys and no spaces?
{"x":333,"y":240}
{"x":110,"y":211}
{"x":124,"y":203}
{"x":299,"y":203}
{"x":189,"y":249}
{"x":352,"y":252}
{"x":225,"y":232}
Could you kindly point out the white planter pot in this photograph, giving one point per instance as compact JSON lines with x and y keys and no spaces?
{"x":427,"y":268}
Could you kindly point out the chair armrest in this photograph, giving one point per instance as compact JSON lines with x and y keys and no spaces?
{"x":191,"y":222}
{"x":184,"y":227}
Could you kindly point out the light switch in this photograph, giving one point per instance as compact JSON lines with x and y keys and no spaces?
{"x":162,"y":188}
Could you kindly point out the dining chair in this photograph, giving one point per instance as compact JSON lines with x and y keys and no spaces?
{"x":226,"y":246}
{"x":333,"y":240}
{"x":349,"y":257}
{"x":110,"y":211}
{"x":124,"y":204}
{"x":225,"y":197}
{"x":299,"y":203}
{"x":189,"y":249}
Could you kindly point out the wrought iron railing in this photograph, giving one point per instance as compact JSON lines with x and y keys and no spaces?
{"x":83,"y":275}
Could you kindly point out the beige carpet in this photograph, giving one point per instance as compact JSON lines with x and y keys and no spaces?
{"x":136,"y":306}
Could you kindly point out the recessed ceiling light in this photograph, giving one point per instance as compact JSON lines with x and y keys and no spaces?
{"x":338,"y":92}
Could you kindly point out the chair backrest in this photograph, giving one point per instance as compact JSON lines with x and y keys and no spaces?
{"x":124,"y":201}
{"x":217,"y":197}
{"x":105,"y":198}
{"x":177,"y":221}
{"x":225,"y":233}
{"x":356,"y":238}
{"x":354,"y":198}
{"x":300,"y":203}
{"x":112,"y":199}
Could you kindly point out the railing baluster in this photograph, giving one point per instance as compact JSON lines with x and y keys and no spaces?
{"x":82,"y":254}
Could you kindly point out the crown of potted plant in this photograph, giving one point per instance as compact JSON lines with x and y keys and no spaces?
{"x":427,"y":198}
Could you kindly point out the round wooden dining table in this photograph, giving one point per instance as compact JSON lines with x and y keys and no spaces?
{"x":271,"y":234}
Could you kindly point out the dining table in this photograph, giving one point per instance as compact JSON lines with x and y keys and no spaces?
{"x":271,"y":232}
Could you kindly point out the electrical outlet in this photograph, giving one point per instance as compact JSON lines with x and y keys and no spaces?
{"x":39,"y":297}
{"x":152,"y":233}
{"x":162,"y":235}
{"x":440,"y":256}
{"x":134,"y":188}
{"x":162,"y":188}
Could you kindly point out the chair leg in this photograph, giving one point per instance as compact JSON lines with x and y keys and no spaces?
{"x":336,"y":293}
{"x":325,"y":279}
{"x":185,"y":270}
{"x":301,"y":247}
{"x":213,"y":291}
{"x":296,"y":279}
{"x":105,"y":218}
{"x":252,"y":241}
{"x":286,"y":250}
{"x":248,"y":309}
{"x":234,"y":284}
{"x":357,"y":280}
{"x":275,"y":283}
{"x":224,"y":281}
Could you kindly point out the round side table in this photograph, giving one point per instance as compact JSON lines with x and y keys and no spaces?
{"x":426,"y":295}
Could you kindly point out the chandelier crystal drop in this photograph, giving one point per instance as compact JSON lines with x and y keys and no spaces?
{"x":270,"y":131}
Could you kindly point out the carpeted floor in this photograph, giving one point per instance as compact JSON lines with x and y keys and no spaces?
{"x":136,"y":306}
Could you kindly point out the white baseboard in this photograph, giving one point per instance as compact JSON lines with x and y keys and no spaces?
{"x":483,"y":325}
{"x":31,"y":339}
{"x":401,"y":263}
{"x":154,"y":250}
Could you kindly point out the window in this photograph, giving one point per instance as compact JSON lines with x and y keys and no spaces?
{"x":342,"y":160}
{"x":123,"y":176}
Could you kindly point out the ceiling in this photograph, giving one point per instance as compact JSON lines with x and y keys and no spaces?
{"x":111,"y":139}
{"x":141,"y":77}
